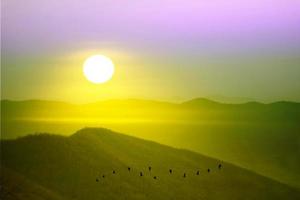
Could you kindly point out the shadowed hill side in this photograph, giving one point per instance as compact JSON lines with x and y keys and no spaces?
{"x":71,"y":166}
{"x":260,"y":137}
{"x":16,"y":187}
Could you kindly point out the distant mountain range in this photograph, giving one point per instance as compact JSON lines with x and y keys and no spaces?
{"x":257,"y":136}
{"x":56,"y":167}
{"x":208,"y":109}
{"x":230,"y":99}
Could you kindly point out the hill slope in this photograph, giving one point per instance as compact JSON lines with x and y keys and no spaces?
{"x":17,"y":187}
{"x":261,"y":137}
{"x":69,"y":167}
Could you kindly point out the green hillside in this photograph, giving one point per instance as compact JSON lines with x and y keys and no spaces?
{"x":16,"y":187}
{"x":261,"y":137}
{"x":67,"y":167}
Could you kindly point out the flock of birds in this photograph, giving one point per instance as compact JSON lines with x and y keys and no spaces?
{"x":155,"y":177}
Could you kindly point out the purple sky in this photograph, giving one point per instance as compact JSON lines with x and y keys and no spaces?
{"x":59,"y":23}
{"x":224,"y":47}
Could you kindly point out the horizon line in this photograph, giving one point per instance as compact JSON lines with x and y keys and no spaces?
{"x":151,"y":100}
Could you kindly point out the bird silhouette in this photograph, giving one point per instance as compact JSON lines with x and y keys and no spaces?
{"x":170,"y":172}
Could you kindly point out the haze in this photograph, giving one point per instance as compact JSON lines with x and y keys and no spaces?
{"x":162,"y":49}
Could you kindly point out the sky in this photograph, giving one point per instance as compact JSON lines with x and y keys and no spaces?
{"x":166,"y":50}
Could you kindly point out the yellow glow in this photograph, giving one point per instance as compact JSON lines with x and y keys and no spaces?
{"x":98,"y":69}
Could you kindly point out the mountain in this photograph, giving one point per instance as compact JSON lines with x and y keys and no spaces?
{"x":194,"y":109}
{"x":16,"y":187}
{"x":230,"y":99}
{"x":68,"y":168}
{"x":261,"y":137}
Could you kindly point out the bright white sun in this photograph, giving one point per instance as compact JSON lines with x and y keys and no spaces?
{"x":98,"y":69}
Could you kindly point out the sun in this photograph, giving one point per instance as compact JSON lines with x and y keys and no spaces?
{"x":98,"y":69}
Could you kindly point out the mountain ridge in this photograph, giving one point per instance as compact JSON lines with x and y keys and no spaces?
{"x":200,"y":99}
{"x":234,"y":133}
{"x":70,"y":166}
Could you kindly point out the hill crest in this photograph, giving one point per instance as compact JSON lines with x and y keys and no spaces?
{"x":70,"y":166}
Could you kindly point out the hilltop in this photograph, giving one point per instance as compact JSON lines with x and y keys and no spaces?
{"x":67,"y":167}
{"x":260,"y":137}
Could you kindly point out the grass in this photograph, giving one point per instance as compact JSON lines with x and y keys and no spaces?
{"x":69,"y":166}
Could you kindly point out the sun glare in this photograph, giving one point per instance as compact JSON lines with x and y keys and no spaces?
{"x":98,"y":69}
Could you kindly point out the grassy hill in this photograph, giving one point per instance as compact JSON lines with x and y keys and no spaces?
{"x":67,"y":167}
{"x":260,"y":137}
{"x":16,"y":187}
